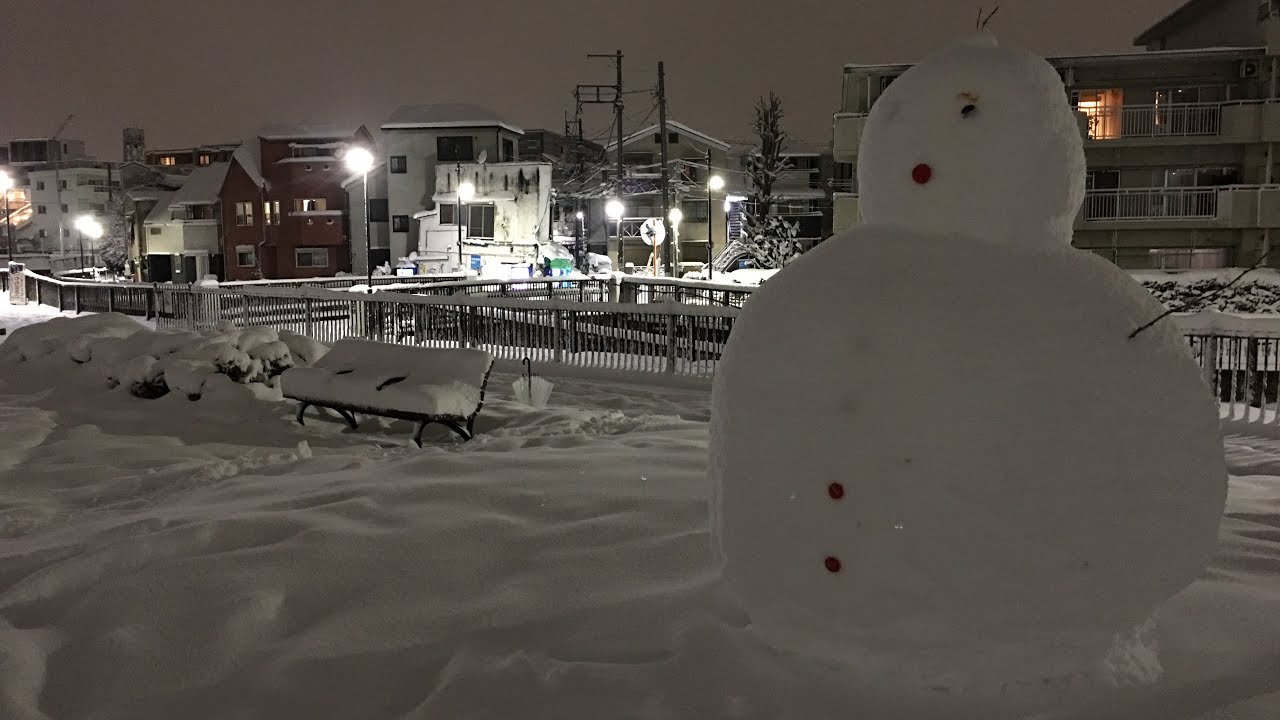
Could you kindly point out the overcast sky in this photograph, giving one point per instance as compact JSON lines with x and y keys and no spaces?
{"x":211,"y":71}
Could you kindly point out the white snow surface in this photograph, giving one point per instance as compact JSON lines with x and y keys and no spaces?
{"x":214,"y":560}
{"x":1021,"y":483}
{"x":366,"y":374}
{"x":1011,"y":171}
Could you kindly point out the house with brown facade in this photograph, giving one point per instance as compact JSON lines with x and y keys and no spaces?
{"x":284,"y":209}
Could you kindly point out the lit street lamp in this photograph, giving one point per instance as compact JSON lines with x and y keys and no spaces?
{"x":360,"y":160}
{"x":613,"y":210}
{"x":675,"y":216}
{"x":714,"y":183}
{"x":87,"y":225}
{"x":6,"y":184}
{"x":578,"y":250}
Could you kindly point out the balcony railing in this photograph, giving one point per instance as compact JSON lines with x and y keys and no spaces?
{"x":1144,"y":121}
{"x":1151,"y":204}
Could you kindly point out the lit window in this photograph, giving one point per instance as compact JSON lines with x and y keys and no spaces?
{"x":311,"y":258}
{"x":271,"y":212}
{"x":204,"y":160}
{"x":168,"y":160}
{"x":309,"y":205}
{"x":244,"y":214}
{"x":1101,"y":109}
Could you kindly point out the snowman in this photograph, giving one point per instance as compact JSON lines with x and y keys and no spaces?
{"x":936,"y":451}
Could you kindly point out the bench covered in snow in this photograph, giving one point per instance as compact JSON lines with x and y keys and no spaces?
{"x":426,"y":385}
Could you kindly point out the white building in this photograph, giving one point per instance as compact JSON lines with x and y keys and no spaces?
{"x":184,"y":229}
{"x":416,"y":140}
{"x":506,"y":223}
{"x":60,"y":193}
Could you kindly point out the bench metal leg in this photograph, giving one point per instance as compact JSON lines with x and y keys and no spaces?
{"x":417,"y":432}
{"x":302,"y":408}
{"x":350,"y":418}
{"x":464,"y":433}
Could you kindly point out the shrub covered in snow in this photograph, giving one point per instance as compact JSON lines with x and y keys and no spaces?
{"x":150,"y":364}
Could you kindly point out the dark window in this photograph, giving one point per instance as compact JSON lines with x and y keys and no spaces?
{"x":695,"y":211}
{"x":446,"y":214}
{"x":40,"y":185}
{"x":41,"y":210}
{"x":64,"y":207}
{"x":63,"y":184}
{"x":454,"y":149}
{"x":400,"y":223}
{"x":155,"y":230}
{"x":508,"y":150}
{"x":399,"y":164}
{"x":480,"y":221}
{"x":673,"y":138}
{"x":378,"y":211}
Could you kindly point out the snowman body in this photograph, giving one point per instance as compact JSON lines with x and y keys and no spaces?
{"x":934,"y":447}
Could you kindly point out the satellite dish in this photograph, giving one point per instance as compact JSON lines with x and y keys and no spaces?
{"x":484,"y":155}
{"x":653,"y":232}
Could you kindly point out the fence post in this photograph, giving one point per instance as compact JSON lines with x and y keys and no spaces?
{"x":615,"y":288}
{"x":468,"y":338}
{"x":671,"y":343}
{"x":151,"y":303}
{"x":557,"y":338}
{"x":1209,"y":364}
{"x":247,"y":312}
{"x":307,"y":320}
{"x":38,"y":293}
{"x":76,"y":290}
{"x":111,"y":298}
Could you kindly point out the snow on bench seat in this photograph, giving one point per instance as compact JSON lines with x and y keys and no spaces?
{"x":427,"y":385}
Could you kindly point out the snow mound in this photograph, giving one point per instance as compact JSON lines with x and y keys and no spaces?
{"x":956,"y":139}
{"x":988,"y":484}
{"x":150,"y":364}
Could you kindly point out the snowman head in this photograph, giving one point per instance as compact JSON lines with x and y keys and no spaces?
{"x":979,"y":140}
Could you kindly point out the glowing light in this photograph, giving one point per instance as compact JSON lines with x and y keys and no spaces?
{"x":466,"y":191}
{"x":614,"y":210}
{"x":358,"y":160}
{"x":675,"y":216}
{"x":716,"y":182}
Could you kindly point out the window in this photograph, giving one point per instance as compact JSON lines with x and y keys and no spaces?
{"x":41,"y":210}
{"x":307,"y":168}
{"x":168,"y":160}
{"x":480,"y":221}
{"x":508,"y":150}
{"x":244,"y":214}
{"x":44,"y":234}
{"x":40,"y":185}
{"x":245,"y":256}
{"x":695,"y":211}
{"x":311,"y":258}
{"x":309,"y":205}
{"x":64,"y":207}
{"x":156,"y":230}
{"x":1102,"y":110}
{"x":271,"y":212}
{"x":454,"y":149}
{"x":204,"y":159}
{"x":1190,"y":258}
{"x":62,"y":184}
{"x":378,"y":211}
{"x":672,"y":138}
{"x":399,"y":164}
{"x":446,"y":214}
{"x":400,"y":223}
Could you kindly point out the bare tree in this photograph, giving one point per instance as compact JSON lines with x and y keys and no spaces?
{"x":765,"y":163}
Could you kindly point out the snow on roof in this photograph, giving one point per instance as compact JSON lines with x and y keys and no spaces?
{"x":203,"y":185}
{"x":671,"y":124}
{"x":160,"y":213}
{"x":447,"y":115}
{"x":1152,"y":55}
{"x":307,"y":131}
{"x":249,"y":157}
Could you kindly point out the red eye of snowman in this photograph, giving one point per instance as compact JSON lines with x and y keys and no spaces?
{"x":921,"y":173}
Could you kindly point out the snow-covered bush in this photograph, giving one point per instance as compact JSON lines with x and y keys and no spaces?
{"x":1257,"y":292}
{"x":151,"y":364}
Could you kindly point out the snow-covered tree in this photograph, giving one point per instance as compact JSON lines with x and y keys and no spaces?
{"x":113,"y":248}
{"x":769,"y":240}
{"x":770,"y":244}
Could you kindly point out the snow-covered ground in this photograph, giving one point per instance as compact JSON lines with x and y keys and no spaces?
{"x":212,"y":559}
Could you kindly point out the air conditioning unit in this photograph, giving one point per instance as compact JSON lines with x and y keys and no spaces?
{"x":1249,"y":69}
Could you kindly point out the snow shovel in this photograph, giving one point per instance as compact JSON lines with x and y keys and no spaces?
{"x":530,"y":389}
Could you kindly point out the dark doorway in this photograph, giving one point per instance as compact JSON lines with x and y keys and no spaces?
{"x":189,"y":269}
{"x":161,"y":267}
{"x":216,"y":268}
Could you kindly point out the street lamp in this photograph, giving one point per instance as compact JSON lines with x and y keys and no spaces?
{"x":675,"y":216}
{"x":714,"y":183}
{"x":613,"y":210}
{"x":87,"y":225}
{"x":6,"y":184}
{"x":579,"y":251}
{"x":360,"y":160}
{"x":466,"y":192}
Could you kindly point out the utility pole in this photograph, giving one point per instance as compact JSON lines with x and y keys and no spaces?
{"x":666,"y":178}
{"x":608,"y":94}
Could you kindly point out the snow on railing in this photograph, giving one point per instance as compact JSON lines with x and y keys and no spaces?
{"x":1151,"y":203}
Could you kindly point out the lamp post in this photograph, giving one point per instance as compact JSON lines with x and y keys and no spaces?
{"x":578,"y":249}
{"x":714,"y":183}
{"x":613,"y":210}
{"x":6,"y":184}
{"x":674,"y":217}
{"x":87,"y":225}
{"x":360,"y":160}
{"x":466,"y":191}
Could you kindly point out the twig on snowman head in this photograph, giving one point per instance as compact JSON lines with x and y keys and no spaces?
{"x":982,"y":25}
{"x":1206,"y":298}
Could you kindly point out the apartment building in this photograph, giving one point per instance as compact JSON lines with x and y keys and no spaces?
{"x":188,"y":159}
{"x":1179,"y":139}
{"x":60,"y":192}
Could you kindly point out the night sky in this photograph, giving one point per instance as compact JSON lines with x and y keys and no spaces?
{"x":214,"y":71}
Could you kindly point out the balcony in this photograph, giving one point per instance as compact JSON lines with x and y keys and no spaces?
{"x":1151,"y":204}
{"x":1152,"y":121}
{"x":846,"y":136}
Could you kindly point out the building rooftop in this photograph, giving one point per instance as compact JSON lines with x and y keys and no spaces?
{"x":307,"y":131}
{"x":678,"y":127}
{"x":1181,"y":15}
{"x":249,"y":157}
{"x":1102,"y":58}
{"x":448,"y":115}
{"x":203,"y":185}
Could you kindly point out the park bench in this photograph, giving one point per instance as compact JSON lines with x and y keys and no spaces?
{"x":425,"y":385}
